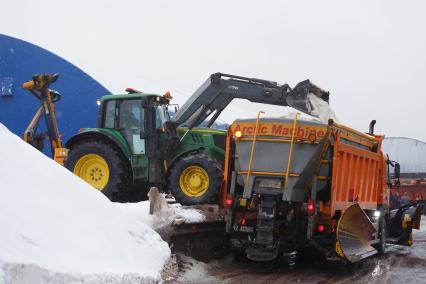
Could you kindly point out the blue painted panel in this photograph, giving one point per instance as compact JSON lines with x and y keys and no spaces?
{"x":19,"y":60}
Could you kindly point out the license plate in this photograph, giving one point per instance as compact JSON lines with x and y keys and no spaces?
{"x":273,"y":183}
{"x":244,"y":229}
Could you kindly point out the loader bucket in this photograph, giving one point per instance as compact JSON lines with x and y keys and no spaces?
{"x":403,"y":221}
{"x":354,"y":232}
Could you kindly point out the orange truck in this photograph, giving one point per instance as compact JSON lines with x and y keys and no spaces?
{"x":414,"y":188}
{"x":291,"y":183}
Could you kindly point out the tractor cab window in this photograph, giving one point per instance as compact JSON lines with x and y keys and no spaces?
{"x":131,"y":115}
{"x":109,"y":114}
{"x":160,"y":116}
{"x":131,"y":124}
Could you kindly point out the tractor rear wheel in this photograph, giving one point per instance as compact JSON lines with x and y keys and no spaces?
{"x":100,"y":165}
{"x":195,"y":179}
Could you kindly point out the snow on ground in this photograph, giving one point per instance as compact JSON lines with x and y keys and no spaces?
{"x":170,"y":214}
{"x":56,"y":228}
{"x":400,"y":265}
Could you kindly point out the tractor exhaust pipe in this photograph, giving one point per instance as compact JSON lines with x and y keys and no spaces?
{"x":371,"y":128}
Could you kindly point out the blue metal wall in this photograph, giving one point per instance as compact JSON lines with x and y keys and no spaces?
{"x":19,"y":60}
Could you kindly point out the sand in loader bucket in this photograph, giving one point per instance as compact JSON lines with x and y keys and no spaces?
{"x":354,"y":232}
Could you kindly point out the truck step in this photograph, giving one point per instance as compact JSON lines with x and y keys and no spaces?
{"x":260,"y":254}
{"x":265,"y":220}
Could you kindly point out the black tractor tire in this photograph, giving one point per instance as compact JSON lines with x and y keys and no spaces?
{"x":381,"y":246}
{"x":209,"y":165}
{"x":119,"y":171}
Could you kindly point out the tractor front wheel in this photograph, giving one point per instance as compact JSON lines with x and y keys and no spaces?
{"x":195,"y":179}
{"x":100,"y":165}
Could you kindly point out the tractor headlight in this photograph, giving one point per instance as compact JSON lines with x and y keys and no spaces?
{"x":377,"y":214}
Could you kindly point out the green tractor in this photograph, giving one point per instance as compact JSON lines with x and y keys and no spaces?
{"x":134,"y":145}
{"x":137,"y":144}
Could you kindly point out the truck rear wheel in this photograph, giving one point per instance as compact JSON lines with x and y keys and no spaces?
{"x":100,"y":165}
{"x":195,"y":179}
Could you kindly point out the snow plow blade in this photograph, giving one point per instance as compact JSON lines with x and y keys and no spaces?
{"x":403,"y":221}
{"x":354,"y":232}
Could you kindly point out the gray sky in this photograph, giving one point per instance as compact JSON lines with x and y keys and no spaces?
{"x":371,"y":55}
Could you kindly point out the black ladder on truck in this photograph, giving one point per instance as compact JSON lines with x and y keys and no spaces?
{"x":265,"y":247}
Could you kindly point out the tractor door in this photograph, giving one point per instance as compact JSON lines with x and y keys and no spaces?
{"x":155,"y":117}
{"x":131,"y":122}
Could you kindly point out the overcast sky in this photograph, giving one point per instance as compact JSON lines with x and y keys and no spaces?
{"x":371,"y":55}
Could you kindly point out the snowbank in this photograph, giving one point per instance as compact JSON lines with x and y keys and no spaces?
{"x":56,"y":228}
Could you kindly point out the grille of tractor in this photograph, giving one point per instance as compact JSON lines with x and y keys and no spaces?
{"x":197,"y":138}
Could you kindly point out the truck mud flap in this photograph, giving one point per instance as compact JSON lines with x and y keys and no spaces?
{"x":402,"y":223}
{"x":353,"y":234}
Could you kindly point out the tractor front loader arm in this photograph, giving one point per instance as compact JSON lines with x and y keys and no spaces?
{"x":219,"y":90}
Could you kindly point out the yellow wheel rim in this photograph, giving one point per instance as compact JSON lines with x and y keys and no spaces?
{"x":93,"y":169}
{"x":194,"y":181}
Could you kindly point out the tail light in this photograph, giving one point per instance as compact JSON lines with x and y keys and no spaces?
{"x":228,"y":201}
{"x":243,"y":221}
{"x":310,"y":208}
{"x":320,"y":228}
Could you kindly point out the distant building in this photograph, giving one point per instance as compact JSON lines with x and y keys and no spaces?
{"x":409,"y":153}
{"x":19,"y":60}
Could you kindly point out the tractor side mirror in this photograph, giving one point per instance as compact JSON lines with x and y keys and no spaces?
{"x":176,"y":107}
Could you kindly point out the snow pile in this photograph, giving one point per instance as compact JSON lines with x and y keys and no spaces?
{"x":56,"y":228}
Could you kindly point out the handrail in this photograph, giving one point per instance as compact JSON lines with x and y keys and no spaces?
{"x":252,"y":149}
{"x":290,"y":155}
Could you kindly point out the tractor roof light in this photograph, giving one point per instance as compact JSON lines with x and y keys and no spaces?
{"x":168,"y":95}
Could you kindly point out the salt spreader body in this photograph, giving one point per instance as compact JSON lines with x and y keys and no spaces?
{"x":292,"y":183}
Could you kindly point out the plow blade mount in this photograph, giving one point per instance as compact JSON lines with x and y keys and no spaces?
{"x":403,"y":221}
{"x":354,"y":232}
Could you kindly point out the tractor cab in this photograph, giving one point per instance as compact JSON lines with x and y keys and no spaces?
{"x":136,"y":115}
